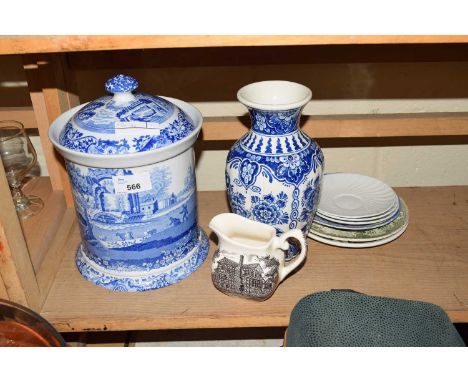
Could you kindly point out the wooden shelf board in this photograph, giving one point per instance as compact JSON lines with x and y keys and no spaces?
{"x":23,"y":114}
{"x":429,"y":263}
{"x":40,"y":230}
{"x":333,"y":126}
{"x":349,"y":126}
{"x":47,"y":44}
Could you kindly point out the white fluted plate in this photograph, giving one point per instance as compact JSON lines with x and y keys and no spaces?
{"x":353,"y":196}
{"x":365,"y":220}
{"x":359,"y":224}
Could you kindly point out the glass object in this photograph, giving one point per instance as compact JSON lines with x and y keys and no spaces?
{"x":18,"y":157}
{"x":21,"y":327}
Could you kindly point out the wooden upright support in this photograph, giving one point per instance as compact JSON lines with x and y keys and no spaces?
{"x":18,"y":279}
{"x":49,"y":83}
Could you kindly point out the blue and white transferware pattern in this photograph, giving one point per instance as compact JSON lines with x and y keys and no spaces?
{"x":274,"y":172}
{"x":138,"y":221}
{"x":126,"y":122}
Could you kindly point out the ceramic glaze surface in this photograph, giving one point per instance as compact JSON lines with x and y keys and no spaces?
{"x":157,"y":226}
{"x":250,"y":261}
{"x":250,"y":276}
{"x":126,"y":122}
{"x":273,"y":173}
{"x":138,"y":222}
{"x":143,"y":281}
{"x":121,"y":84}
{"x":124,"y":230}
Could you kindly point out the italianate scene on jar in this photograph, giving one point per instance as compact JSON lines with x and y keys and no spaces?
{"x":131,"y":164}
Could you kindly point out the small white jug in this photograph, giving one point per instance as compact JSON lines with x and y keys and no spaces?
{"x":250,"y":260}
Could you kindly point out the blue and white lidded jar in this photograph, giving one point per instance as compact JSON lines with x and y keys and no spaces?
{"x":131,"y":165}
{"x":274,"y":172}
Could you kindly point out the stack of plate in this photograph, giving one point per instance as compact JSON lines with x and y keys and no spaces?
{"x":358,"y":211}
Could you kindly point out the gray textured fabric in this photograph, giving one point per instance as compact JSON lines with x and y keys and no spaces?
{"x":343,"y":318}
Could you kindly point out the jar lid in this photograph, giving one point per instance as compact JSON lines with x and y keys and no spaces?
{"x":126,"y":122}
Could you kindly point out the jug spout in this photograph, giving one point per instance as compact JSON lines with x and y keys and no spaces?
{"x":219,"y":225}
{"x":239,"y":231}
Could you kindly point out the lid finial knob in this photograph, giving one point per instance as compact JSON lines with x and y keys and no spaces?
{"x":121,"y":84}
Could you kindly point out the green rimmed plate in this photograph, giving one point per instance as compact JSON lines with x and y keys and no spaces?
{"x":396,"y":226}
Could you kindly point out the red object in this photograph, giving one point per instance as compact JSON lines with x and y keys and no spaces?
{"x":20,"y":327}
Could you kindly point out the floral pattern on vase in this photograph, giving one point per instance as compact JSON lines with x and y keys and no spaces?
{"x":268,"y":209}
{"x":274,"y":172}
{"x":310,"y":200}
{"x":256,"y":174}
{"x":282,"y":122}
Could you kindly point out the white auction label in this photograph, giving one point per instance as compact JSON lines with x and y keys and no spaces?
{"x":128,"y":184}
{"x":137,"y":128}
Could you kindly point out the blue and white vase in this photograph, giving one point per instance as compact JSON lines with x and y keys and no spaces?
{"x":274,"y":172}
{"x":131,"y":165}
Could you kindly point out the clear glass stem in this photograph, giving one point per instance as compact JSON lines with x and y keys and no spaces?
{"x":20,"y":199}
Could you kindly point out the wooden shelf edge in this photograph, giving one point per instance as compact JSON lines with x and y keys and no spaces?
{"x":106,"y":324}
{"x":458,"y":316}
{"x":52,"y":44}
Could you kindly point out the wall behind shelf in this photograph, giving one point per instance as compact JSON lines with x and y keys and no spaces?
{"x":344,"y":80}
{"x":398,"y":164}
{"x":426,"y":165}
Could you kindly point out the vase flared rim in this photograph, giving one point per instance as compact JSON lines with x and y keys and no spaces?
{"x":274,"y":95}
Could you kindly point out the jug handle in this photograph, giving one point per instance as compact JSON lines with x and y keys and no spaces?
{"x":287,"y":268}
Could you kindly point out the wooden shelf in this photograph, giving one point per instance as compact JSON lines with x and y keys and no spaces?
{"x":429,"y":263}
{"x":24,"y":114}
{"x":333,"y":126}
{"x":49,"y":44}
{"x":45,"y":233}
{"x":40,"y":230}
{"x":352,"y":126}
